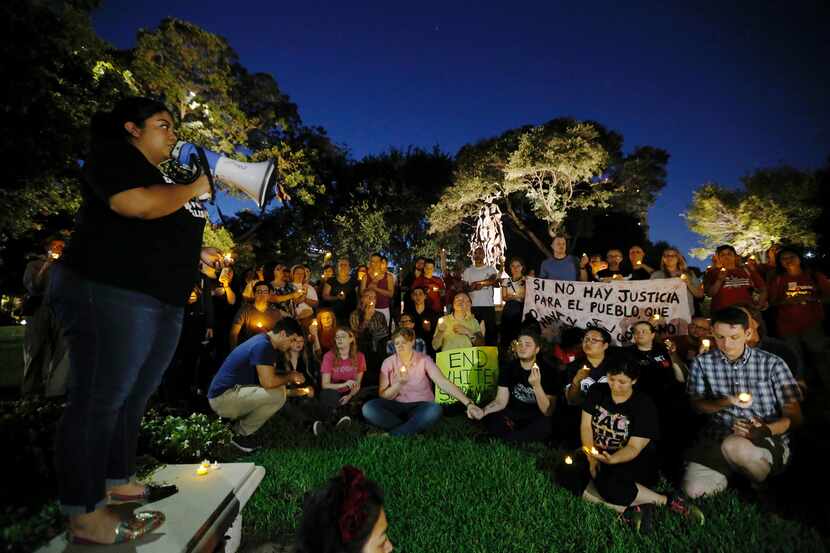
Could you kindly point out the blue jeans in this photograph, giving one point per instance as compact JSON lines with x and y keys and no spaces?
{"x":402,"y":419}
{"x":120,"y":343}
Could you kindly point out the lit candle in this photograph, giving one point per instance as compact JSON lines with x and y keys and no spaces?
{"x":403,"y":370}
{"x":590,"y":451}
{"x":314,"y":325}
{"x":259,"y":324}
{"x":656,"y":316}
{"x":744,"y":397}
{"x":569,"y":460}
{"x":706,"y":343}
{"x":434,"y":288}
{"x":683,"y":276}
{"x":668,"y":343}
{"x":205,"y":464}
{"x":228,"y":258}
{"x":723,"y":269}
{"x":201,"y":471}
{"x":54,"y":255}
{"x":639,"y":262}
{"x":752,"y":257}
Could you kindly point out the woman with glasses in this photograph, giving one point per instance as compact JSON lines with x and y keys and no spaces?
{"x":584,"y":373}
{"x":673,"y":265}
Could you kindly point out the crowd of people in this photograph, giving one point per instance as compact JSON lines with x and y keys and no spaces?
{"x":362,"y":343}
{"x":665,"y":404}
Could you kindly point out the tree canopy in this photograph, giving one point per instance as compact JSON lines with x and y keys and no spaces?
{"x":546,"y":173}
{"x":775,"y":204}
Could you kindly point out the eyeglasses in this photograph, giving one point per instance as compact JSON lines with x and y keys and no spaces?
{"x":588,"y":340}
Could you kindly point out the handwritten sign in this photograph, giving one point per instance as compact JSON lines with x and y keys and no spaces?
{"x":614,"y":306}
{"x":474,"y":370}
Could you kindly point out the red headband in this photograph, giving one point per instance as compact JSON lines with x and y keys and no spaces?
{"x":352,"y":516}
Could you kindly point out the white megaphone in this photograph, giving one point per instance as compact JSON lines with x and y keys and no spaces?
{"x":258,"y":181}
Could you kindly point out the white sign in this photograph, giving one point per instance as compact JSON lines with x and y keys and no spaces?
{"x":614,"y":306}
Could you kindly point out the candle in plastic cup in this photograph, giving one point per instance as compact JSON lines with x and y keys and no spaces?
{"x":744,"y":397}
{"x":706,"y":343}
{"x":205,"y":464}
{"x":639,"y":263}
{"x":656,"y":316}
{"x":683,"y":276}
{"x":569,"y":460}
{"x":259,"y":325}
{"x":201,"y":471}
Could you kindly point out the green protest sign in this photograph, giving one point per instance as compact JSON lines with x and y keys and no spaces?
{"x":474,"y":370}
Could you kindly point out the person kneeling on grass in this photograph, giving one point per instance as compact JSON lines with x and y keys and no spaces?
{"x":407,"y":403}
{"x":247,"y":389}
{"x":526,"y":398}
{"x":618,"y":430}
{"x":345,"y":516}
{"x":752,"y":401}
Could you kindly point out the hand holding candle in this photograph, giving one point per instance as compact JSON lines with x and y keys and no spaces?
{"x":705,"y":344}
{"x":745,"y":397}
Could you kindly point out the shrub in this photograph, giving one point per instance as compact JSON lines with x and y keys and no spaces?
{"x":174,"y":439}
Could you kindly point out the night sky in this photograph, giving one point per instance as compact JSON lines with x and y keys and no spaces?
{"x":725,"y":90}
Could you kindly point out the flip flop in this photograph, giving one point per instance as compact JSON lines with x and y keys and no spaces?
{"x":142,"y":523}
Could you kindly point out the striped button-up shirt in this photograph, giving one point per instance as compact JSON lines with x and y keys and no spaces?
{"x":762,"y":374}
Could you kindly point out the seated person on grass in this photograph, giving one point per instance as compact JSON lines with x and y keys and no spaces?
{"x":618,"y":431}
{"x":345,"y":516}
{"x":407,"y":403}
{"x":752,"y":401}
{"x":341,"y":375}
{"x":459,"y":329}
{"x":407,"y":321}
{"x":247,"y":389}
{"x":526,"y":396}
{"x":584,"y":373}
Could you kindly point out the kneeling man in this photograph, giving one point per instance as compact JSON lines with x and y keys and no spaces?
{"x":247,"y":389}
{"x":752,"y":401}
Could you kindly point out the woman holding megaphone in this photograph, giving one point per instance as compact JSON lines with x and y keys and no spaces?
{"x":119,"y":293}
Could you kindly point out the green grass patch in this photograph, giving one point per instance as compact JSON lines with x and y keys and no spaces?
{"x":447,"y":492}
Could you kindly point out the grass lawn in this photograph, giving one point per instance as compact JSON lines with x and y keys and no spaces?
{"x":446,"y":492}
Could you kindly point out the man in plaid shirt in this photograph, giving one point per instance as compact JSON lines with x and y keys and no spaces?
{"x":752,"y":401}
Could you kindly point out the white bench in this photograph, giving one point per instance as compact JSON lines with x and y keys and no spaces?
{"x":204,"y":516}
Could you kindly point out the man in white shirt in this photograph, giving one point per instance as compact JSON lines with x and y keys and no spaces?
{"x":479,"y":281}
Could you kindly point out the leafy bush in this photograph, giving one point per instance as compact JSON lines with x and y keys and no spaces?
{"x":22,"y":529}
{"x":174,"y":439}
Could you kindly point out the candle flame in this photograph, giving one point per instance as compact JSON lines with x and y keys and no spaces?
{"x":569,"y":460}
{"x":745,"y":397}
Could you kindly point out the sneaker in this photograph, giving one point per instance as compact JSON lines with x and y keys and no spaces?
{"x":683,"y":507}
{"x":318,"y":428}
{"x":639,"y":518}
{"x":245,"y":444}
{"x":344,"y":422}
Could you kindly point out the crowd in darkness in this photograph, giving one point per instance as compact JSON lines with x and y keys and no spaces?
{"x":362,"y":344}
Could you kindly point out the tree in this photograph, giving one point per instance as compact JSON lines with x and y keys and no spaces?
{"x":775,"y":204}
{"x":548,"y":172}
{"x":56,"y":80}
{"x":223,"y":107}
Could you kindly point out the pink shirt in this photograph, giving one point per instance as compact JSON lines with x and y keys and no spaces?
{"x":342,"y":370}
{"x":419,"y":386}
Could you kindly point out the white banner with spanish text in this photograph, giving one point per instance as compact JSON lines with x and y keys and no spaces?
{"x":614,"y":306}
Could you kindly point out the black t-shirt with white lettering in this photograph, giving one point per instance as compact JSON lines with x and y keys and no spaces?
{"x":158,"y":257}
{"x":613,"y":424}
{"x":522,"y":398}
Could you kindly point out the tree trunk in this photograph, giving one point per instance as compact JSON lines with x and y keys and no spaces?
{"x":525,"y":231}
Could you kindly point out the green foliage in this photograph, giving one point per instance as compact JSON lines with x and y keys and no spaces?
{"x":446,"y":492}
{"x":173,"y":439}
{"x":61,"y":77}
{"x":361,"y":231}
{"x":548,"y":172}
{"x":222,"y":106}
{"x":775,"y":204}
{"x":23,"y":530}
{"x":218,"y":237}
